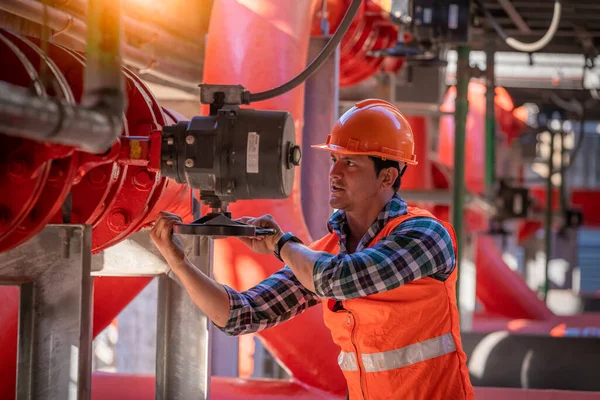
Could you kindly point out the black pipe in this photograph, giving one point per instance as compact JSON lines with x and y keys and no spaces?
{"x":501,"y":359}
{"x":317,"y":62}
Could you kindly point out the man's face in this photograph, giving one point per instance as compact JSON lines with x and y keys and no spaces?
{"x":352,"y":181}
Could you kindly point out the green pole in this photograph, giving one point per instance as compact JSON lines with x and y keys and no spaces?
{"x":460,"y":124}
{"x":563,"y":178}
{"x":490,"y":121}
{"x":548,"y":222}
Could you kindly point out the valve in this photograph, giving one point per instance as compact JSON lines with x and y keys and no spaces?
{"x":232,"y":154}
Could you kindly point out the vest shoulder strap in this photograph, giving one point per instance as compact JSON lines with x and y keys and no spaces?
{"x":329,"y":242}
{"x":413,"y":212}
{"x":326,"y":242}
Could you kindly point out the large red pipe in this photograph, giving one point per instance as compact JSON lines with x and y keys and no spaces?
{"x":101,"y":189}
{"x":141,"y":387}
{"x":237,"y":53}
{"x":503,"y":291}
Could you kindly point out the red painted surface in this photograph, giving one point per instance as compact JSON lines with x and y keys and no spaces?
{"x":419,"y":176}
{"x":583,"y":199}
{"x":141,"y":387}
{"x":371,"y":29}
{"x":9,"y":298}
{"x":509,"y":127}
{"x":503,"y":291}
{"x":116,"y":193}
{"x":532,"y":394}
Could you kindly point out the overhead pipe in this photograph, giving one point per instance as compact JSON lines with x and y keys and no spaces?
{"x":179,"y":74}
{"x":96,"y":124}
{"x":22,"y":114}
{"x":147,"y":32}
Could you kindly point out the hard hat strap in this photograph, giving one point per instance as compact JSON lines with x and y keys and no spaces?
{"x":403,"y":169}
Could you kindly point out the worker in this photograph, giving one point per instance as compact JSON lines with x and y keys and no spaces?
{"x":385,"y":274}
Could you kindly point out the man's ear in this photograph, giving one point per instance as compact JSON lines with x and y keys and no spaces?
{"x":389,"y":177}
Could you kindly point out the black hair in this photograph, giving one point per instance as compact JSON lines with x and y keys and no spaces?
{"x":380,"y":165}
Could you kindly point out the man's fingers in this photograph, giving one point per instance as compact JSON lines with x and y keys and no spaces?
{"x":168,"y":214}
{"x":168,"y":227}
{"x":163,"y":223}
{"x":243,"y":220}
{"x":265,"y":221}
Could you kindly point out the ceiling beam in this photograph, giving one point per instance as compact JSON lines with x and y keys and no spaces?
{"x":514,"y":15}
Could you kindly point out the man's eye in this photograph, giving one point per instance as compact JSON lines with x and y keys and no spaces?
{"x":350,"y":163}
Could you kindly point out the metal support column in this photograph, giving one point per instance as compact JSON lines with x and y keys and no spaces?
{"x":55,"y":312}
{"x":460,"y":123}
{"x":490,"y":120}
{"x":320,"y":113}
{"x":183,"y":334}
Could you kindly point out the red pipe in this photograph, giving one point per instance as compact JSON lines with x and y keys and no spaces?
{"x":503,"y":291}
{"x":109,"y":193}
{"x":236,"y":40}
{"x":370,"y":30}
{"x":141,"y":387}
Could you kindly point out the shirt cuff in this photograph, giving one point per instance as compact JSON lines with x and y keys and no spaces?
{"x":320,"y":278}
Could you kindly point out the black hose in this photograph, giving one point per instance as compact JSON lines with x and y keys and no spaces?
{"x":317,"y":62}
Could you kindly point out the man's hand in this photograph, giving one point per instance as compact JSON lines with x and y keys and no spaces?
{"x":168,"y":244}
{"x":262,"y":244}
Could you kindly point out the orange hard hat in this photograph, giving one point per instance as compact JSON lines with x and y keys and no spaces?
{"x":373,"y":128}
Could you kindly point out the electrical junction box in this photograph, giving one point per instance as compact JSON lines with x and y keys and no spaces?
{"x":444,"y":21}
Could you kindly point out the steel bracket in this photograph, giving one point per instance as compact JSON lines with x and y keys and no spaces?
{"x":55,"y":307}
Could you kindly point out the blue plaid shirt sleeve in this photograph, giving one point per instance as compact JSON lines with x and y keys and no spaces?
{"x":417,"y":248}
{"x":277,"y":299}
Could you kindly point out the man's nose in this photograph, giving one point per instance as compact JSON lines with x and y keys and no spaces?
{"x":335,"y":170}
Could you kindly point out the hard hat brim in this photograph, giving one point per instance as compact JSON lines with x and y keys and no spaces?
{"x":342,"y":150}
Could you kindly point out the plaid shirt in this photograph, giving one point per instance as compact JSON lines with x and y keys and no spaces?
{"x":417,"y":248}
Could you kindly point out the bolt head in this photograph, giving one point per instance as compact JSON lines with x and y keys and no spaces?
{"x":295,"y":155}
{"x":17,"y":168}
{"x":170,"y":141}
{"x":142,"y":180}
{"x":119,"y":220}
{"x":169,"y":162}
{"x":97,"y":176}
{"x":190,"y":139}
{"x":189,"y":163}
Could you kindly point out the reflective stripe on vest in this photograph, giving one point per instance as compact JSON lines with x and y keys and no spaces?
{"x":347,"y":361}
{"x":402,"y":357}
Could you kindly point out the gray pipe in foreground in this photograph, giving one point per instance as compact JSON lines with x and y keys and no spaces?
{"x":25,"y":115}
{"x":97,"y":123}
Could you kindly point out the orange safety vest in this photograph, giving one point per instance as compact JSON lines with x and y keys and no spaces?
{"x":403,"y":343}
